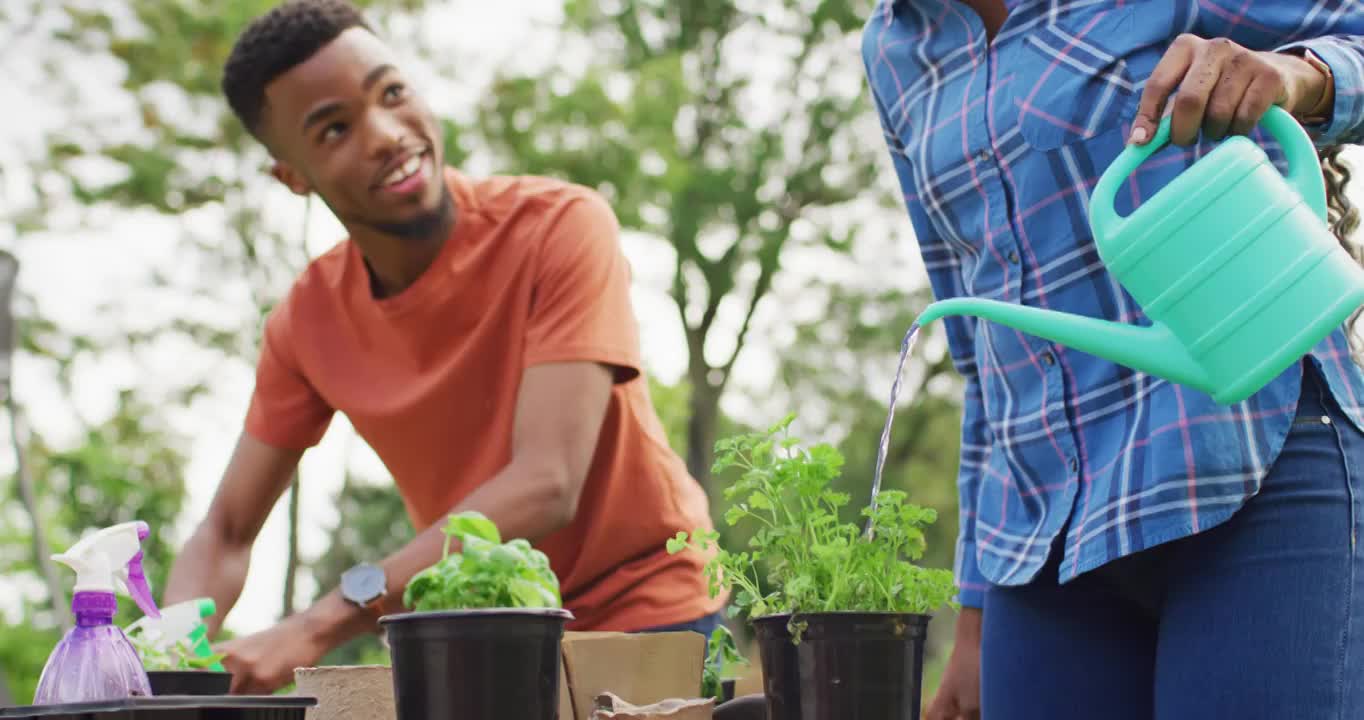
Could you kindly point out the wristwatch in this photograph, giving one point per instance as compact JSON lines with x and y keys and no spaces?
{"x":1321,"y":114}
{"x":365,"y":585}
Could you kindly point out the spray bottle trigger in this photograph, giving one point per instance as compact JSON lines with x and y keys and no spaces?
{"x":139,"y":589}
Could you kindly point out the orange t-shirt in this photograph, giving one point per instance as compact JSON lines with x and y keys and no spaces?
{"x":532,"y":273}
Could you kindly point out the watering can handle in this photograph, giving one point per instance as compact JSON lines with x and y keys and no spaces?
{"x":1304,"y":169}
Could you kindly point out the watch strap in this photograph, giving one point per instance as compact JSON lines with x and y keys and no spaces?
{"x":1320,"y":114}
{"x":375,"y":607}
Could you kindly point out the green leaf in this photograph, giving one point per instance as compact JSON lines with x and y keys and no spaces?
{"x":471,"y":523}
{"x":476,"y":549}
{"x":505,"y":556}
{"x":677,"y":543}
{"x":531,"y":594}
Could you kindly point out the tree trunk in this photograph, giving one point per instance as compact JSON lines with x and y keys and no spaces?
{"x":291,"y":568}
{"x":9,"y":339}
{"x":702,"y":426}
{"x":30,"y":500}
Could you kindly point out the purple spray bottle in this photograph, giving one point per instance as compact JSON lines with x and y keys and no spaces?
{"x":95,"y":661}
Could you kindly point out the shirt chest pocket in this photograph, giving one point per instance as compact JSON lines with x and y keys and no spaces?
{"x":1079,"y":74}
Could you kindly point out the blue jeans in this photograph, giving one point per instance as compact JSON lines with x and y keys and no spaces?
{"x":704,"y":625}
{"x":1259,"y":617}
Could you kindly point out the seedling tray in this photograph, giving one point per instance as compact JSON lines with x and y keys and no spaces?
{"x":269,"y":707}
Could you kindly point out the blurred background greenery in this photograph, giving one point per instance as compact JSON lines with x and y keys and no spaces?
{"x":775,"y":268}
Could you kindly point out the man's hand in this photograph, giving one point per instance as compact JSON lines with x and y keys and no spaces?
{"x":1223,"y":89}
{"x":264,"y":662}
{"x":958,"y":696}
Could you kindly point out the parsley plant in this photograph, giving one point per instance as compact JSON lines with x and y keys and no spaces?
{"x":721,"y":653}
{"x":814,"y":562}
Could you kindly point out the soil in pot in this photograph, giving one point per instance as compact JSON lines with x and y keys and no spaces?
{"x":847,"y":666}
{"x":358,"y":692}
{"x":189,"y":682}
{"x":476,"y":664}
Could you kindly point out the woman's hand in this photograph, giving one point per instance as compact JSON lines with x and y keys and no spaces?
{"x":958,"y":696}
{"x":1223,"y":89}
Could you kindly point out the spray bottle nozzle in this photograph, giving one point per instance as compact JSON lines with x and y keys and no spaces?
{"x":110,"y":560}
{"x":180,"y":629}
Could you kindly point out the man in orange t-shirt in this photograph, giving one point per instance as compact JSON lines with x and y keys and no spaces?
{"x":479,"y":336}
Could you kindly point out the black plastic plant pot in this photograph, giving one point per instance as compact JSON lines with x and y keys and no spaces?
{"x":189,"y":682}
{"x":269,"y":707}
{"x":845,"y":666}
{"x":476,"y":664}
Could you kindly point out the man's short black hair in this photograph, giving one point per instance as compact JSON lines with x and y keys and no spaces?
{"x":276,"y":42}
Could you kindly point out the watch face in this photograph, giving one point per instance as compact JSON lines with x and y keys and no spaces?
{"x":363,"y":583}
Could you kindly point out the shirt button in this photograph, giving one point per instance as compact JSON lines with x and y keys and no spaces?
{"x":1048,"y":359}
{"x":983,"y":156}
{"x":1074,"y":465}
{"x":1013,"y":257}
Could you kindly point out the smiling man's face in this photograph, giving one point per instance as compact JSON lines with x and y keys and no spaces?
{"x":345,"y":124}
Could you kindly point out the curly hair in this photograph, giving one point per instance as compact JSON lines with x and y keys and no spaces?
{"x":274,"y":43}
{"x":1343,"y":218}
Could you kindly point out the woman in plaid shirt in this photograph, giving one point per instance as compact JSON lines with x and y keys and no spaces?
{"x":1129,"y":548}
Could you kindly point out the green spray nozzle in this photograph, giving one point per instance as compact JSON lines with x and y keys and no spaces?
{"x":180,"y":624}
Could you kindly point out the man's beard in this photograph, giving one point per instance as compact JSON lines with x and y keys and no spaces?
{"x":423,"y":226}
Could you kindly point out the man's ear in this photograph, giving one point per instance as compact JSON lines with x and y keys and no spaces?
{"x":290,"y":177}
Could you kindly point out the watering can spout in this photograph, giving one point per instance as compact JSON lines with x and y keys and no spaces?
{"x":1153,"y":350}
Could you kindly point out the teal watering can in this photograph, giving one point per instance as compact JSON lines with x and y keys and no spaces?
{"x":1233,"y":263}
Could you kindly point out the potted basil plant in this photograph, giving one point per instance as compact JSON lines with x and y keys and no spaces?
{"x":483,"y":638}
{"x":840,"y":618}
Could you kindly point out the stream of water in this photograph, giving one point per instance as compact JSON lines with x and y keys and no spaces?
{"x":906,"y":348}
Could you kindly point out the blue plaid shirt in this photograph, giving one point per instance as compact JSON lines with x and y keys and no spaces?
{"x":997,"y":147}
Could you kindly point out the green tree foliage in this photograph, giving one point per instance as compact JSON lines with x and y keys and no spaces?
{"x":665,"y":108}
{"x":184,"y":151}
{"x":23,"y":651}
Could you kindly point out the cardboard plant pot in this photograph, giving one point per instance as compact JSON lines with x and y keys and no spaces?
{"x":638,"y":668}
{"x":189,"y":682}
{"x":351,"y":692}
{"x":863,"y":666}
{"x":484,"y":664}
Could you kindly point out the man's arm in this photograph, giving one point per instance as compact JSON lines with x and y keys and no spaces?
{"x":559,"y":412}
{"x":215,"y":560}
{"x":286,"y":415}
